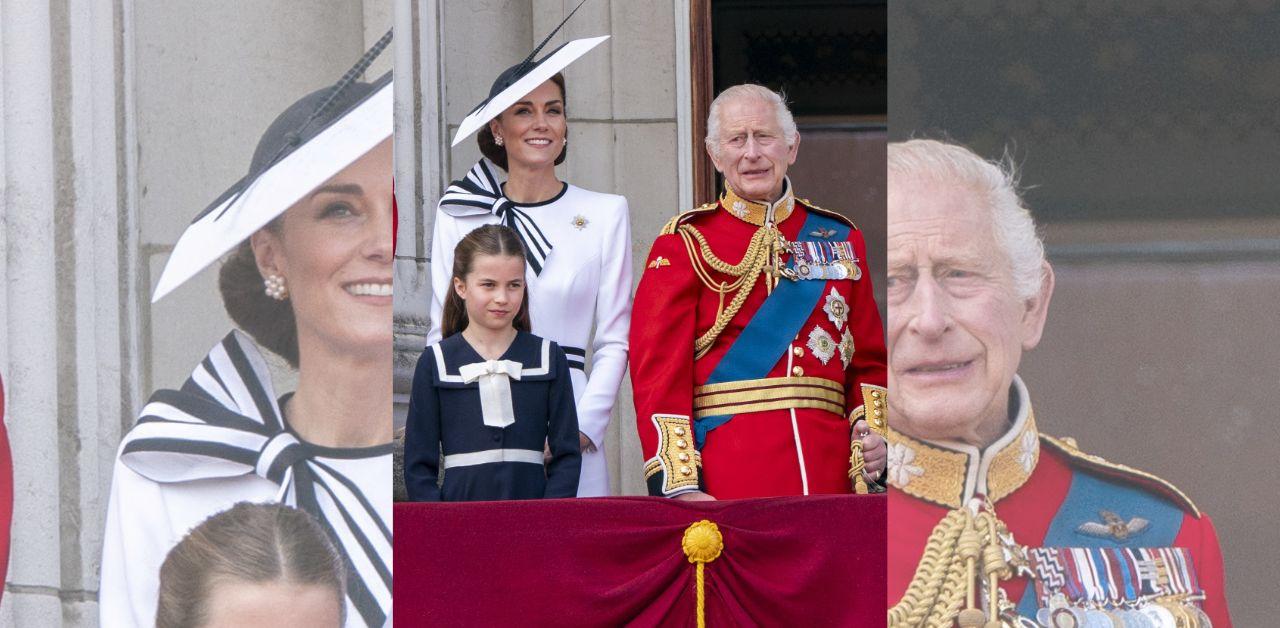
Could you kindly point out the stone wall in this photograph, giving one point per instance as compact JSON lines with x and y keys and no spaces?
{"x":120,"y":121}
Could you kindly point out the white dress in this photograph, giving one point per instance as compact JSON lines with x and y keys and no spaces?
{"x":585,"y":282}
{"x":159,"y":492}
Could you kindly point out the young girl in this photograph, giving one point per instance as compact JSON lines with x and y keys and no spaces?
{"x":253,"y":565}
{"x":490,"y":394}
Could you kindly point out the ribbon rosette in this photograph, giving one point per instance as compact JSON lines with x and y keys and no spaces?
{"x":495,"y":389}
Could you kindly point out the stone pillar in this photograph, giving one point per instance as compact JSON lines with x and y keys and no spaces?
{"x":69,"y":344}
{"x":119,"y":122}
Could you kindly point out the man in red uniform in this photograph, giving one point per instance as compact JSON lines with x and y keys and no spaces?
{"x":990,"y":518}
{"x":756,"y":346}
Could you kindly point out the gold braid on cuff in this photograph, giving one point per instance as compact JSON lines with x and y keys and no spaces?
{"x":676,"y":458}
{"x":876,"y":398}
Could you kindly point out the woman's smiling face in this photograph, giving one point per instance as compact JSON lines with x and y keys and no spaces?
{"x":334,"y":250}
{"x":533,"y":129}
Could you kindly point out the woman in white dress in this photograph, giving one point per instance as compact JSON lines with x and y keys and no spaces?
{"x":314,"y":286}
{"x":577,"y":242}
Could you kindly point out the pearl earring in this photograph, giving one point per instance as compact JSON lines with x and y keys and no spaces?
{"x":498,"y":140}
{"x":275,"y":288}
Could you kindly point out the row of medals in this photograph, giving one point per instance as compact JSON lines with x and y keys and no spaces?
{"x":822,"y":260}
{"x":1161,"y":612}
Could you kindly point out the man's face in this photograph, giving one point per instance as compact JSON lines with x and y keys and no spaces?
{"x":957,"y":330}
{"x":753,"y":155}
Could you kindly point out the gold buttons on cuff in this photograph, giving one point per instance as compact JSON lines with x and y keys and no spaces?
{"x":875,"y":394}
{"x":798,"y":351}
{"x":797,"y":371}
{"x":683,"y":457}
{"x":679,"y":431}
{"x":682,"y":444}
{"x":685,"y":470}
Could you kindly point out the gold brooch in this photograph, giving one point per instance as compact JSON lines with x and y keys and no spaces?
{"x":659,"y":262}
{"x":579,"y":222}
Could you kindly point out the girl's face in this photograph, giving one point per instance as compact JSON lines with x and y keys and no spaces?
{"x":533,"y":129}
{"x":333,"y":249}
{"x":493,"y":290}
{"x":235,"y":603}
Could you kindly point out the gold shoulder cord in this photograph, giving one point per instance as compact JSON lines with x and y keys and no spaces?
{"x":761,"y":254}
{"x":943,"y":591}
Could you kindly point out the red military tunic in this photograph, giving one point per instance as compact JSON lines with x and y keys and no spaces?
{"x":790,"y":431}
{"x":1048,"y":494}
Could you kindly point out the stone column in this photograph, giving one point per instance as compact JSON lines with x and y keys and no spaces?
{"x":70,"y":342}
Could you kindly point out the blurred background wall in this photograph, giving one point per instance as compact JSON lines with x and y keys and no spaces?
{"x":120,"y":121}
{"x":1149,"y":139}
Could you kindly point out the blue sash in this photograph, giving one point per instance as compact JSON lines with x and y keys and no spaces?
{"x":765,"y":339}
{"x":1088,"y":495}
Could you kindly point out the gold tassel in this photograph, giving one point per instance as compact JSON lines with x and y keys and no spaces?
{"x":702,"y":543}
{"x":856,"y":465}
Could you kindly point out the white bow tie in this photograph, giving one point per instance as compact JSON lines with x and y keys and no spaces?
{"x":495,"y":389}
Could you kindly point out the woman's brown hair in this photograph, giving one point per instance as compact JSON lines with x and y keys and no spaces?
{"x":487,"y":240}
{"x":255,"y":543}
{"x":270,"y":322}
{"x":498,"y":154}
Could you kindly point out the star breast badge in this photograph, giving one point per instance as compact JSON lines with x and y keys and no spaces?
{"x":1113,"y":526}
{"x":659,"y":262}
{"x":821,"y":344}
{"x":837,"y":309}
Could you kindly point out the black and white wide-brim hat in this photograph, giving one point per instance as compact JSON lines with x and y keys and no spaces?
{"x":313,"y":140}
{"x":518,"y":80}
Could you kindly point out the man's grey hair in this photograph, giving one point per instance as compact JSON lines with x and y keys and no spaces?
{"x":749,"y":91}
{"x":996,"y":183}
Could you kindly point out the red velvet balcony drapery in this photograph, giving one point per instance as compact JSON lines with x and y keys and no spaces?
{"x":787,"y":561}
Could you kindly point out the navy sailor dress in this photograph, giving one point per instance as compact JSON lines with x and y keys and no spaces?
{"x":448,"y":432}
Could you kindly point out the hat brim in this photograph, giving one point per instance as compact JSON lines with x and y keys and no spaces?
{"x":547,"y":68}
{"x":231,"y":221}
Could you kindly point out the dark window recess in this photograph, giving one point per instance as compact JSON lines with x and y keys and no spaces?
{"x":828,"y":57}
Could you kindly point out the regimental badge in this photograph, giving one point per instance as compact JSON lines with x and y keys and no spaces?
{"x":823,"y":233}
{"x":822,"y":344}
{"x":659,"y":262}
{"x":1113,"y":526}
{"x":739,"y":209}
{"x":846,"y":347}
{"x":837,"y":309}
{"x":579,"y":222}
{"x":824,"y":260}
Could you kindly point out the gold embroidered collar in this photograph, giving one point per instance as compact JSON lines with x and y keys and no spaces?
{"x":759,"y":213}
{"x":950,"y":474}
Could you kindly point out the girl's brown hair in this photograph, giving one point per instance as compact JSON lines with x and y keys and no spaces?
{"x":487,"y":240}
{"x":498,"y":154}
{"x":254,"y":543}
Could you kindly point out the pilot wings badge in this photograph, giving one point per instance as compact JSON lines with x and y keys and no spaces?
{"x":1113,"y":526}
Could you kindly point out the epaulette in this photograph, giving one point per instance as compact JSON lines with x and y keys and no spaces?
{"x":1096,"y":464}
{"x":671,"y":225}
{"x":827,"y":212}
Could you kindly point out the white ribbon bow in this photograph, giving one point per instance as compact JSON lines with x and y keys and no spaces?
{"x":495,"y":389}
